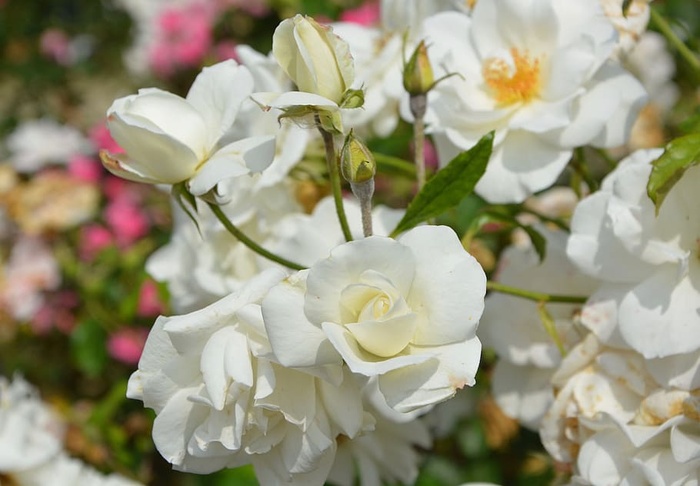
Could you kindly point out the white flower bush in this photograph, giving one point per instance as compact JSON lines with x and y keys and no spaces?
{"x":386,"y":308}
{"x":168,"y":139}
{"x":310,"y":343}
{"x":545,"y":87}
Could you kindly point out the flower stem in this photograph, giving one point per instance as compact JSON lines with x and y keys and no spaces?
{"x":418,"y":105}
{"x":363,"y":192}
{"x":664,"y":27}
{"x":231,"y":228}
{"x":387,"y":163}
{"x":334,"y":174}
{"x":536,"y":296}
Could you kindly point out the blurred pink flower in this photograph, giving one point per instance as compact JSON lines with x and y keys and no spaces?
{"x":85,"y":168}
{"x":93,"y":239}
{"x":126,"y":345}
{"x":126,"y":220}
{"x":100,"y":136}
{"x":30,"y":270}
{"x":149,"y":301}
{"x":366,"y":14}
{"x":56,"y":312}
{"x":183,"y":38}
{"x":55,"y":44}
{"x":226,"y":50}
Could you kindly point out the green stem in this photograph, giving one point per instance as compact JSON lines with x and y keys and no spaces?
{"x":418,"y":105}
{"x":665,"y":28}
{"x":334,"y":174}
{"x":387,"y":162}
{"x":578,"y":163}
{"x":555,"y":221}
{"x":536,"y":296}
{"x":231,"y":228}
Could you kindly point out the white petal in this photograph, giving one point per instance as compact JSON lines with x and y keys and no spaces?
{"x":448,"y":287}
{"x":660,"y":316}
{"x":414,"y":387}
{"x":236,"y":159}
{"x":295,"y":341}
{"x":217,"y":93}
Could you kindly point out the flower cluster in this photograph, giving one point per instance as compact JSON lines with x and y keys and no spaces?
{"x":319,"y":299}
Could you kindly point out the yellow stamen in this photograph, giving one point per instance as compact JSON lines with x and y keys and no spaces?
{"x":520,"y":83}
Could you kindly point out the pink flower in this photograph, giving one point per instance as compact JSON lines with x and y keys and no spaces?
{"x":126,"y":220}
{"x":85,"y":168}
{"x":183,"y":38}
{"x":100,"y":136}
{"x":55,"y":44}
{"x":366,"y":14}
{"x":149,"y":301}
{"x":226,"y":50}
{"x":56,"y":312}
{"x":93,"y":239}
{"x":126,"y":345}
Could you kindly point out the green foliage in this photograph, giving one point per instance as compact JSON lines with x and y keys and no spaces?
{"x":88,"y":347}
{"x":449,"y":186}
{"x":680,"y":154}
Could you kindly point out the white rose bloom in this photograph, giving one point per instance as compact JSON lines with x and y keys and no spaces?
{"x":592,"y":379}
{"x":169,"y":139}
{"x":317,"y":61}
{"x":648,"y":262}
{"x":404,"y":310}
{"x":528,"y":356}
{"x":38,"y":143}
{"x":220,"y":402}
{"x":31,"y":433}
{"x":536,"y":72}
{"x":314,"y":58}
{"x":630,"y":455}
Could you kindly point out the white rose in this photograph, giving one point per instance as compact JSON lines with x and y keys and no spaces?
{"x":538,"y":74}
{"x":31,"y":433}
{"x":404,"y":310}
{"x":648,"y":262}
{"x":220,"y":402}
{"x":629,"y":454}
{"x":317,"y":60}
{"x":168,"y":139}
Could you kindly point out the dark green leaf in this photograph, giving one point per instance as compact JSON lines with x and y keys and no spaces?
{"x":449,"y":186}
{"x":88,"y":345}
{"x":680,"y":154}
{"x":539,"y":242}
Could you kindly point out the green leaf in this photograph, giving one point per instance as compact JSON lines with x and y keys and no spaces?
{"x":539,"y":242}
{"x":680,"y":154}
{"x":449,"y":186}
{"x":88,"y":346}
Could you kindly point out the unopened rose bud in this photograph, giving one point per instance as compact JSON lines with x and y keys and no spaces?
{"x":356,"y":161}
{"x":418,"y":75}
{"x":317,"y":60}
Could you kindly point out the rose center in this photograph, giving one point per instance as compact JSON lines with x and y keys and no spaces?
{"x":512,"y":82}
